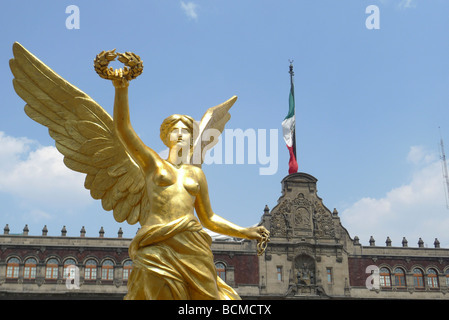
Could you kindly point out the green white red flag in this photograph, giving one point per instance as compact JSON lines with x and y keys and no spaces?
{"x":288,"y":129}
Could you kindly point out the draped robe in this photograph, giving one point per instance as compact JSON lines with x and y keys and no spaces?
{"x":175,"y":261}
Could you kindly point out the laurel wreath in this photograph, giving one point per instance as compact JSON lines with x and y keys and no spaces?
{"x":133,"y":65}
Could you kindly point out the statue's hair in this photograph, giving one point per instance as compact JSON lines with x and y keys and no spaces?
{"x":169,"y":122}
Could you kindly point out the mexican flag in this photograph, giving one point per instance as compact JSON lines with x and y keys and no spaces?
{"x":288,"y":129}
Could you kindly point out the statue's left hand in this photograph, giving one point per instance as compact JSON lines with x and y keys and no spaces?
{"x":262,"y":235}
{"x":257,"y":233}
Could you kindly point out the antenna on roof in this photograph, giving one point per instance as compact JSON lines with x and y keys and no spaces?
{"x":444,"y":167}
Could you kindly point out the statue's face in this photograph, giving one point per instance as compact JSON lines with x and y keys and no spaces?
{"x":180,"y":136}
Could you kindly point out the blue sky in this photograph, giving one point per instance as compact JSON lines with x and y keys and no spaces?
{"x":369,"y":104}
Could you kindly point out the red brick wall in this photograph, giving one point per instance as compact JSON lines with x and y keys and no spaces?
{"x":358,"y":265}
{"x":63,"y":253}
{"x":246,"y":267}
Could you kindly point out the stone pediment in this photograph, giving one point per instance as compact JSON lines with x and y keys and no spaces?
{"x":300,"y":212}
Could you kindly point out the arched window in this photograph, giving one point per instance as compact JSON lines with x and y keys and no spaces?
{"x":127,"y":267}
{"x":51,"y":269}
{"x":432,"y":278}
{"x":12,"y":268}
{"x":29,"y":271}
{"x":385,"y":278}
{"x":221,"y":270}
{"x":399,"y":277}
{"x":67,"y":263}
{"x":107,"y":270}
{"x":90,"y":270}
{"x":418,"y":278}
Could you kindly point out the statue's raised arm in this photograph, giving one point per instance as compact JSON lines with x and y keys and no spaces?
{"x":146,"y":158}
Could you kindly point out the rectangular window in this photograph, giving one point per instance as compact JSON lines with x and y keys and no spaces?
{"x":125,"y":274}
{"x":432,"y":282}
{"x":29,"y":272}
{"x":90,"y":273}
{"x":399,"y":281}
{"x":385,"y":280}
{"x":329,"y":275}
{"x":107,"y":273}
{"x":12,"y":272}
{"x":419,"y":282}
{"x":51,"y":272}
{"x":279,"y":273}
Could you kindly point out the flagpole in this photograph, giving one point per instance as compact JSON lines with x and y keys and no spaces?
{"x":292,"y":73}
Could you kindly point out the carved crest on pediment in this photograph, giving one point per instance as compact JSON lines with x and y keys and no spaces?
{"x":323,"y":225}
{"x":279,"y":223}
{"x":291,"y":213}
{"x":300,"y":213}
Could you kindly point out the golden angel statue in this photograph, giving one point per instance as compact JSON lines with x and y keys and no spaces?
{"x":171,"y":253}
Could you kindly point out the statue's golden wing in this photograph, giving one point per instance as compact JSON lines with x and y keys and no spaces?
{"x":210,"y":127}
{"x":84,"y":134}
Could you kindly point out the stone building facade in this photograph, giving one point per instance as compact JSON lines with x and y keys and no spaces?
{"x":310,"y":256}
{"x":61,"y":267}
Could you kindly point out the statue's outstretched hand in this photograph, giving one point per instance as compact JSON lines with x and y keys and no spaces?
{"x":257,"y":233}
{"x":262,"y":235}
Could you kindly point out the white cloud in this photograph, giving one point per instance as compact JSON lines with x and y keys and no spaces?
{"x":38,"y":179}
{"x":163,"y":153}
{"x":37,"y":215}
{"x":418,"y":155}
{"x":190,"y":9}
{"x":402,"y":4}
{"x":405,"y":4}
{"x":414,"y":210}
{"x":11,"y":149}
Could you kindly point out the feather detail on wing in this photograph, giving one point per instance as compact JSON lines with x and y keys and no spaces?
{"x":210,"y":128}
{"x":84,"y":133}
